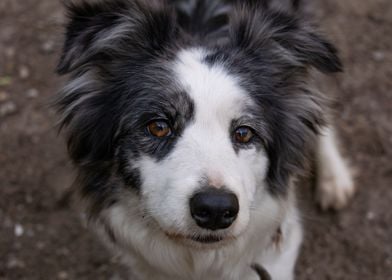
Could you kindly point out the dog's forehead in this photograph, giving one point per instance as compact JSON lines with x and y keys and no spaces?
{"x":215,"y":92}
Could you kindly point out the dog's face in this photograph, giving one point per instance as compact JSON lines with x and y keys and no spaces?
{"x":203,"y":136}
{"x":203,"y":153}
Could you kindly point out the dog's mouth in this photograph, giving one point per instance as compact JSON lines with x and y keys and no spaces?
{"x":200,"y":239}
{"x":207,"y":239}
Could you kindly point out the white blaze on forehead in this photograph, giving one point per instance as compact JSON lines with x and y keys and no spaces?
{"x":219,"y":99}
{"x":217,"y":94}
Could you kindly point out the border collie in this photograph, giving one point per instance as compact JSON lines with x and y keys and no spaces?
{"x":188,"y":122}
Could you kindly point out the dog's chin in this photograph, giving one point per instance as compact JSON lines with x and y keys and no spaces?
{"x":201,"y":241}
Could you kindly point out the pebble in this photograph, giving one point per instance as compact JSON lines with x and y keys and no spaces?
{"x":32,"y":93}
{"x":48,"y":47}
{"x":24,"y":72}
{"x":62,"y":275}
{"x":370,"y":215}
{"x":378,"y":55}
{"x":7,"y":108}
{"x":18,"y":230}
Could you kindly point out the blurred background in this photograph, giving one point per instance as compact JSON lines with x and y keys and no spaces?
{"x":41,"y":237}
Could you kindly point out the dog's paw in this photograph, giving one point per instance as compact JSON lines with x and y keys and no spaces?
{"x":335,"y":189}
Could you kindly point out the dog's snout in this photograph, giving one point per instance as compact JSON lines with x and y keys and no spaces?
{"x":214,"y":208}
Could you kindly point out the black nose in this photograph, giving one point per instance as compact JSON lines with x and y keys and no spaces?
{"x":214,"y":208}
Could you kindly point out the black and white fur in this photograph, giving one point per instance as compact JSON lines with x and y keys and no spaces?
{"x":206,"y":68}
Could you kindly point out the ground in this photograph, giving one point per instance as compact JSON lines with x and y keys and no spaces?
{"x":42,"y":238}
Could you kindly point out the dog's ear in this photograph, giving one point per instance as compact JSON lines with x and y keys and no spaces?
{"x":99,"y":29}
{"x":255,"y":26}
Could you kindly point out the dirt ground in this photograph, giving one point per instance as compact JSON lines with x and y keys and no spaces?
{"x":41,"y":238}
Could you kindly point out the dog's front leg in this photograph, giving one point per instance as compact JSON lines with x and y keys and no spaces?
{"x":335,"y":185}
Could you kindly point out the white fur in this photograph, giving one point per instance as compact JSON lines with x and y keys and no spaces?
{"x":335,"y":184}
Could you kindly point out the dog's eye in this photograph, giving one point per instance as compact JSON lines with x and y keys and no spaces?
{"x":243,"y":134}
{"x":159,"y":129}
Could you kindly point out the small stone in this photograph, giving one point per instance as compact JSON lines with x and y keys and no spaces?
{"x":62,"y":275}
{"x":378,"y":55}
{"x":370,"y":215}
{"x":24,"y":72}
{"x":7,"y":108}
{"x":48,"y":46}
{"x":3,"y":96}
{"x":32,"y":93}
{"x":18,"y":230}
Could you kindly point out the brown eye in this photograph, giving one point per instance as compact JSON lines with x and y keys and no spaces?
{"x":159,"y":129}
{"x":243,"y":134}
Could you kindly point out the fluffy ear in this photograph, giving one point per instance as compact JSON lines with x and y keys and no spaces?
{"x":103,"y":28}
{"x":254,"y":26}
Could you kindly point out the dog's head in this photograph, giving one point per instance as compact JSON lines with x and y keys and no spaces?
{"x":198,"y":135}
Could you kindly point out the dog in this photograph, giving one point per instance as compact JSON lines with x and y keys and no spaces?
{"x":188,"y":122}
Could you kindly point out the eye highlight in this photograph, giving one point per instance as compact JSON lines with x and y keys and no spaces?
{"x":159,"y":129}
{"x":243,"y":134}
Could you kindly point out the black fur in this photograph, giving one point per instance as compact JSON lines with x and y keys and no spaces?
{"x":126,"y":82}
